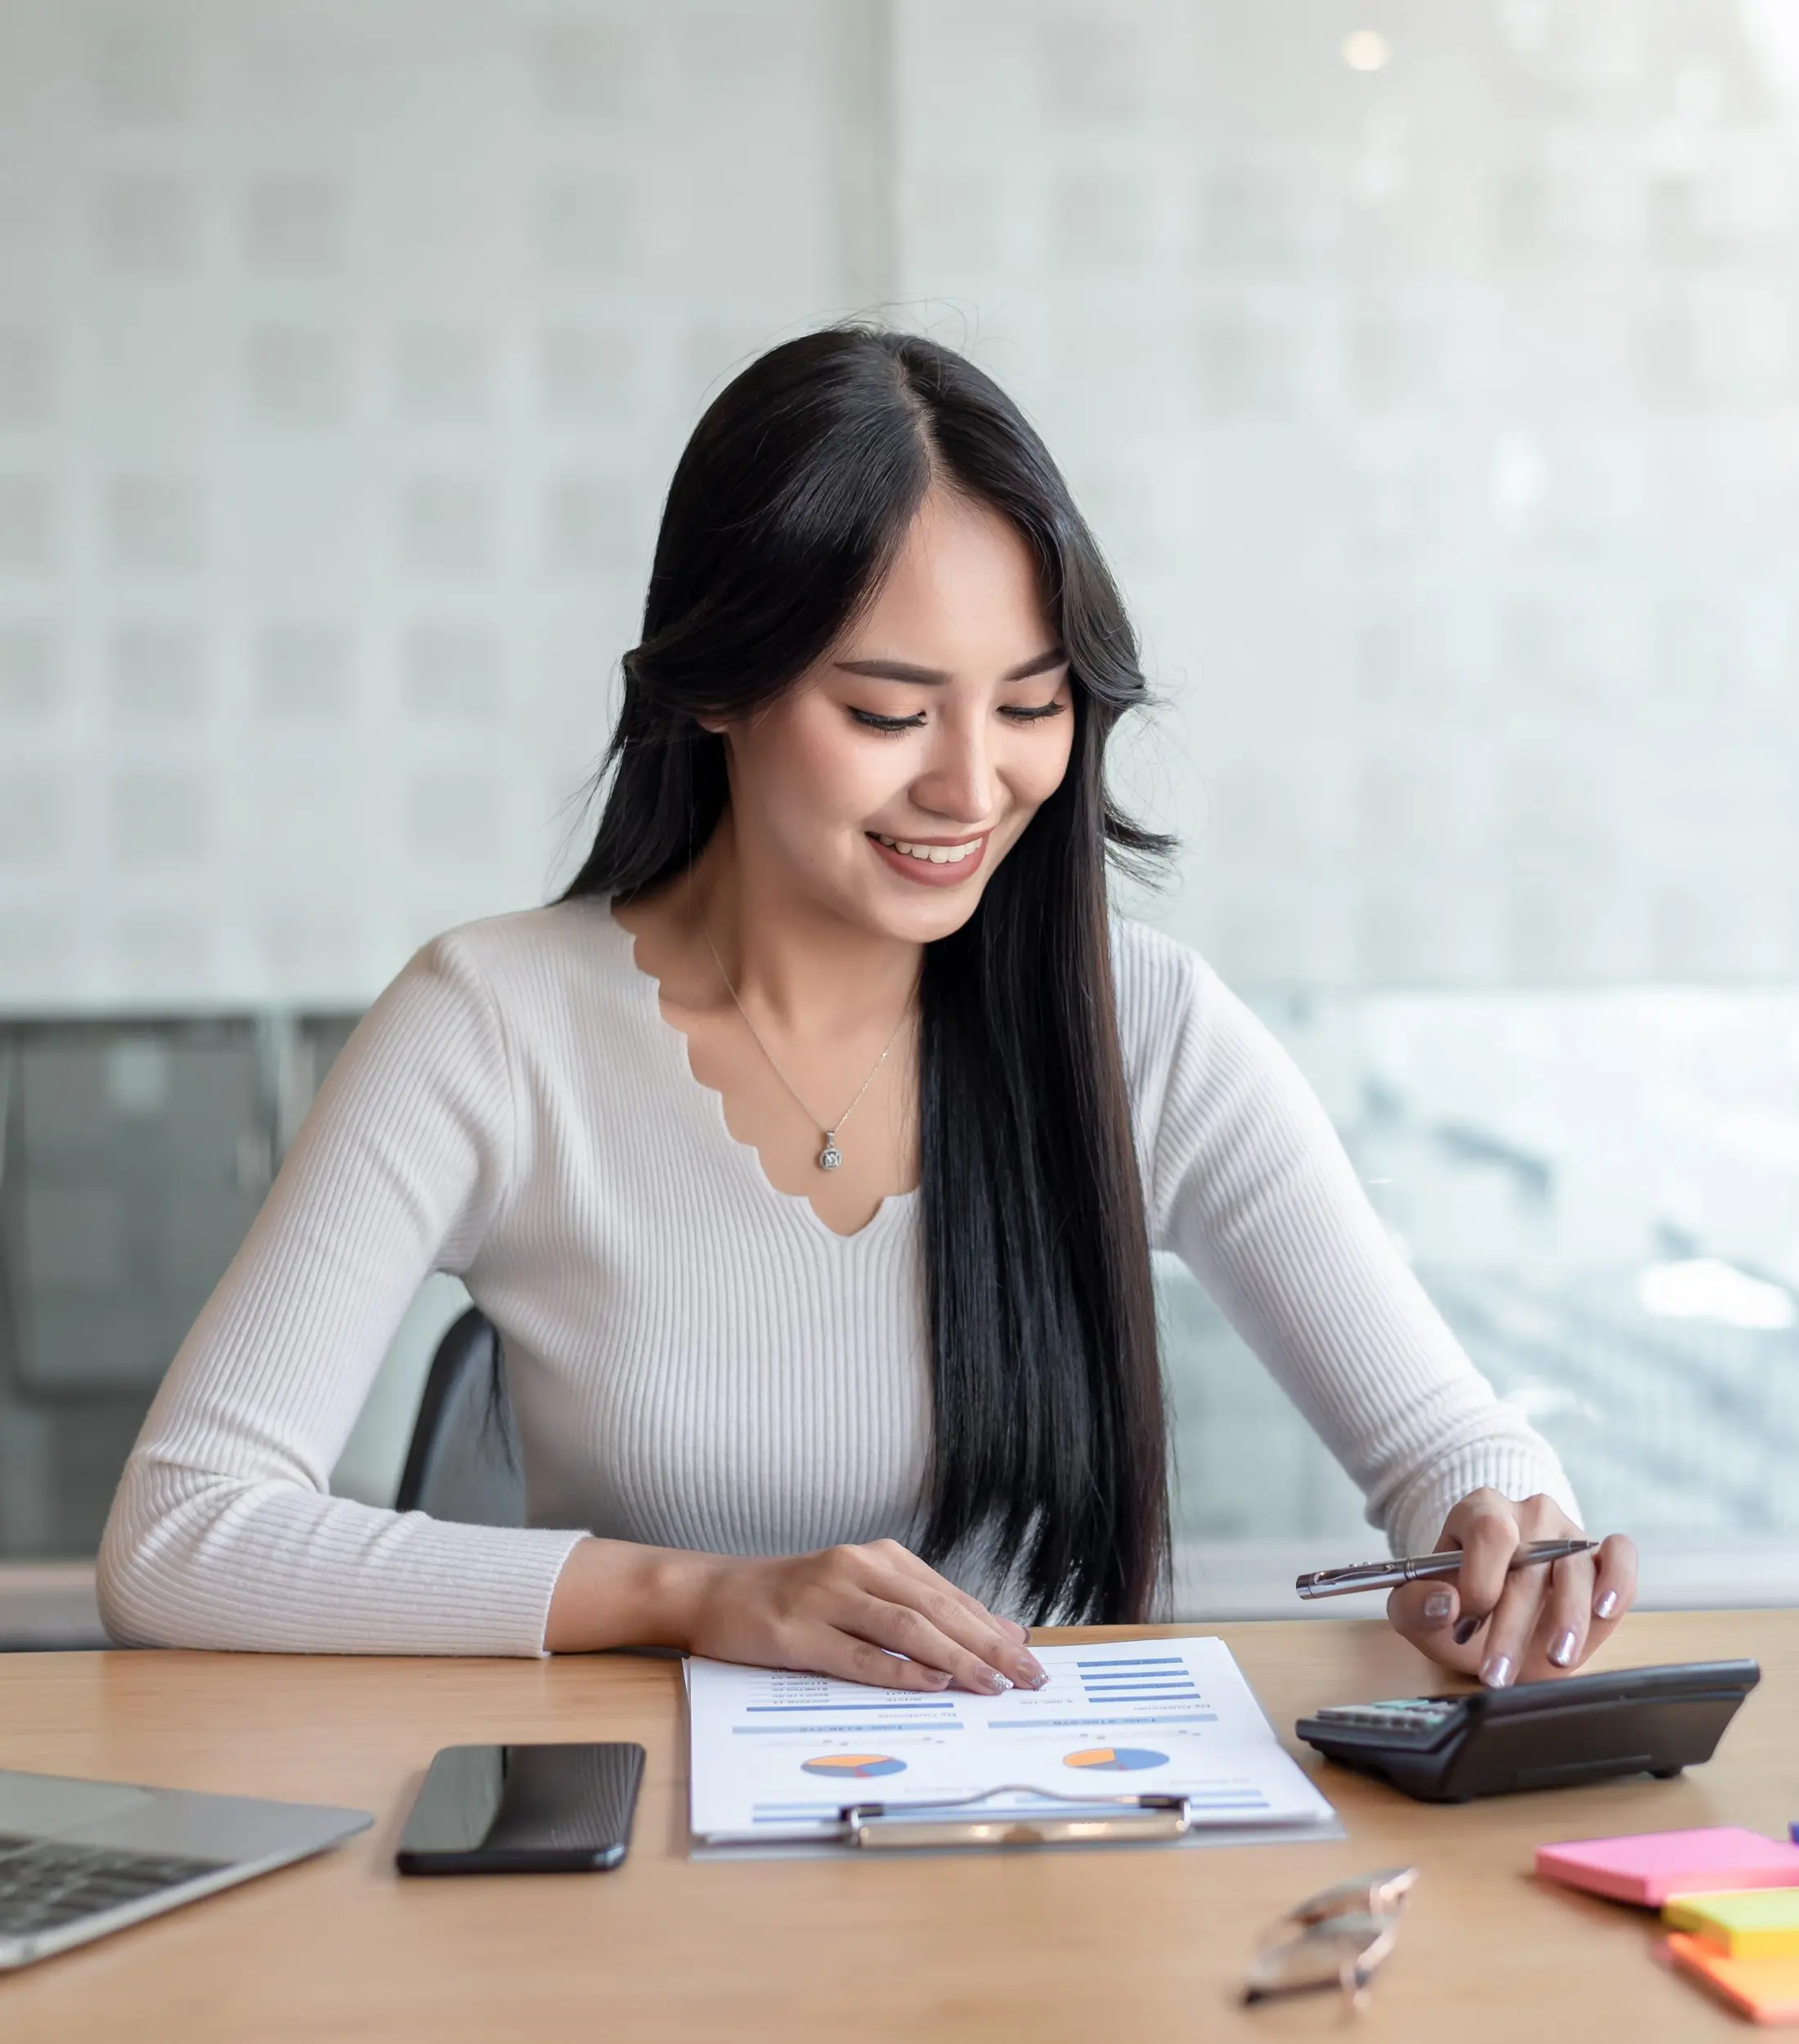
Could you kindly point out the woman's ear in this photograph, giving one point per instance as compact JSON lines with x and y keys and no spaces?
{"x":718,"y":726}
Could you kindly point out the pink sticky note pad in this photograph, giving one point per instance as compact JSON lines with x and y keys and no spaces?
{"x":1648,"y":1867}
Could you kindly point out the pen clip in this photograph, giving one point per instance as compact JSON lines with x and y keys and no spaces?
{"x":1097,"y":1819}
{"x":1323,"y":1578}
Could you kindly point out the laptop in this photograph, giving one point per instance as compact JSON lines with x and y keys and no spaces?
{"x":80,"y":1858}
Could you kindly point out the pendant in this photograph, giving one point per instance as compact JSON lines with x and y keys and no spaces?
{"x":830,"y":1157}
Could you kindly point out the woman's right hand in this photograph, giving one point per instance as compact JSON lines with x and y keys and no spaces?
{"x":874,"y":1613}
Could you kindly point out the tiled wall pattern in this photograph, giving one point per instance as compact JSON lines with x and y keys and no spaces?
{"x":344,"y":354}
{"x":1433,"y":373}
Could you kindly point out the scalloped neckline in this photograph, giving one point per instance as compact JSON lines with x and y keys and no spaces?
{"x":900,"y":1202}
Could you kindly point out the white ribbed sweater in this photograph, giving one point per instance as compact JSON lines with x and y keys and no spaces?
{"x":696,"y":1360}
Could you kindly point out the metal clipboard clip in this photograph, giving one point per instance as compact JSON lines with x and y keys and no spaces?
{"x":1101,"y":1819}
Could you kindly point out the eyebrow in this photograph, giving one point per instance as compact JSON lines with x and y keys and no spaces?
{"x":936,"y":677}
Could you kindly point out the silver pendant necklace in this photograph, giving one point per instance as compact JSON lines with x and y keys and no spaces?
{"x":831,"y":1157}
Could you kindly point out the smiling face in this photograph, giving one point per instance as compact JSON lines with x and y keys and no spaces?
{"x":887,"y":785}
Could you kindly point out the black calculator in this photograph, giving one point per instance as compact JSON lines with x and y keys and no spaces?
{"x":1537,"y":1734}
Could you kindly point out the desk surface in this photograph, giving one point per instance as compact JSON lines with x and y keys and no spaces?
{"x":1142,"y":1943}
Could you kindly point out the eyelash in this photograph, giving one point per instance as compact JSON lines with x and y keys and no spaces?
{"x":874,"y":721}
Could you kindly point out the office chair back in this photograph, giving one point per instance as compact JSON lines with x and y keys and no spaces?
{"x":463,"y":1462}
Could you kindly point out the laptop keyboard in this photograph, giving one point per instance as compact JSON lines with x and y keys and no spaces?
{"x":47,"y":1882}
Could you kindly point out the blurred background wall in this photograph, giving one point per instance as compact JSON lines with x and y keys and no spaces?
{"x":1431,"y":373}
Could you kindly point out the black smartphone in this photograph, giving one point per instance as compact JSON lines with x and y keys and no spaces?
{"x":522,"y":1809}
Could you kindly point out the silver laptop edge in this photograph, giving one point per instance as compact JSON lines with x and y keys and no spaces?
{"x":250,"y":1835}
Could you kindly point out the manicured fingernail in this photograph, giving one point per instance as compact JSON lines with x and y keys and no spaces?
{"x":992,"y":1680}
{"x":937,"y":1679}
{"x":1438,"y":1606}
{"x":1496,"y":1670}
{"x":1607,"y":1605}
{"x":1030,"y":1671}
{"x":1563,"y":1651}
{"x":1465,"y":1629}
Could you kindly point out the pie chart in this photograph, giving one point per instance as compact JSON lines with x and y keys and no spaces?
{"x":853,"y":1766}
{"x":1115,"y":1759}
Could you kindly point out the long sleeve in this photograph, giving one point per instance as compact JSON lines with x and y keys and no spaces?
{"x":223,"y":1533}
{"x":1247,"y":1181}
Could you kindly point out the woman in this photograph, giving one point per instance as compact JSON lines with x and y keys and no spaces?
{"x":808,"y":1152}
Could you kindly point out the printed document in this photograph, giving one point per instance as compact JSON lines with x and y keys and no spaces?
{"x":776,"y":1757}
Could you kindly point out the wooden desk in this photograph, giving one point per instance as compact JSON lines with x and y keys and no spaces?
{"x":1138,"y":1945}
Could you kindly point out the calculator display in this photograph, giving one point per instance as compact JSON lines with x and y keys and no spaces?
{"x":1399,"y":1714}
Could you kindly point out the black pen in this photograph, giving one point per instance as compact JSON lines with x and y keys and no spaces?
{"x":1340,"y":1582}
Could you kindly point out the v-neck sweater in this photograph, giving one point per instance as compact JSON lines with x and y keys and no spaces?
{"x":695,"y":1358}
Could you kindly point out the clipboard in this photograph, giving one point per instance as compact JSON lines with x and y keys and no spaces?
{"x":1100,"y":1820}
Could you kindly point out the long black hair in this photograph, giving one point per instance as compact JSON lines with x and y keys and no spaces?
{"x":1049,"y":1441}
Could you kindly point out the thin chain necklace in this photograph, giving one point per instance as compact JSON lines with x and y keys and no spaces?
{"x":831,"y":1157}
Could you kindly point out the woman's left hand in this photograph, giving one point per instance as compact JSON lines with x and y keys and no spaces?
{"x":1518,"y":1624}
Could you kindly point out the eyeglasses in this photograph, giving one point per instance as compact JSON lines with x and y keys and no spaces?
{"x":1342,"y":1936}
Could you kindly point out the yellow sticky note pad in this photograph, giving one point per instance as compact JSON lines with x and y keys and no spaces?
{"x":1746,"y":1923}
{"x":1764,"y":1990}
